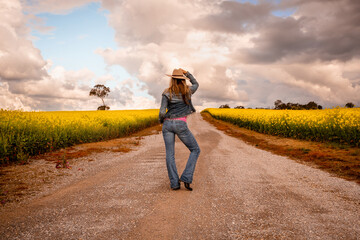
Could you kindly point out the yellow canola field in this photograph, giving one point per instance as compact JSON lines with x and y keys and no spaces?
{"x":340,"y":125}
{"x":30,"y":133}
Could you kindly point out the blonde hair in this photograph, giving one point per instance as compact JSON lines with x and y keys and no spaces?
{"x":179,"y":86}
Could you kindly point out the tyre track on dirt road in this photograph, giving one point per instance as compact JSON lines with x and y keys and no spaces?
{"x":240,"y":192}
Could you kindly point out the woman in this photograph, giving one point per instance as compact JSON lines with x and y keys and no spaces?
{"x":177,"y":100}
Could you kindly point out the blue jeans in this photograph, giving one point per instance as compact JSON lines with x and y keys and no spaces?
{"x":180,"y":128}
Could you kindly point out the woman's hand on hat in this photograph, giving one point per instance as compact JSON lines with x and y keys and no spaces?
{"x":184,"y":71}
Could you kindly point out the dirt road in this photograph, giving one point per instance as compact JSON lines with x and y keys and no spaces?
{"x":240,"y":192}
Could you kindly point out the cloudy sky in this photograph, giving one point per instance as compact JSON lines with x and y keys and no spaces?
{"x":244,"y":52}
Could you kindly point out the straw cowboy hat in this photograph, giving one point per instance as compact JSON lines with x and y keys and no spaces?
{"x":178,"y":74}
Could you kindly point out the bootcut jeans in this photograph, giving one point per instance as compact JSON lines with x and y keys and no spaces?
{"x":169,"y":130}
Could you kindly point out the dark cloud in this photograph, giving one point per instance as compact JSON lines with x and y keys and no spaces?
{"x":280,"y":39}
{"x":235,"y":17}
{"x":320,"y":30}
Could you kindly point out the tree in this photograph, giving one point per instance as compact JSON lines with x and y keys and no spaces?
{"x":282,"y":106}
{"x":277,"y":104}
{"x":103,"y":107}
{"x":100,"y":91}
{"x":349,"y":105}
{"x":296,"y":106}
{"x":239,"y":107}
{"x":224,"y":106}
{"x":311,"y":105}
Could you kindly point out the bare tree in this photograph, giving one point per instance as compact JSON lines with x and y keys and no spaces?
{"x":100,"y":91}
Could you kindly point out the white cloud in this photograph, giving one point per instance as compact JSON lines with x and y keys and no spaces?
{"x":240,"y":53}
{"x":11,"y":101}
{"x":19,"y":59}
{"x":69,"y":90}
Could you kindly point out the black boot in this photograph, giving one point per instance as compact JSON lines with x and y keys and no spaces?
{"x":176,"y":188}
{"x":187,"y":186}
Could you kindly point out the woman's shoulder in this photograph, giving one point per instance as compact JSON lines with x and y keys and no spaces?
{"x":166,"y":92}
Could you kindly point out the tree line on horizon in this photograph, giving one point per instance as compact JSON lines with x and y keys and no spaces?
{"x":102,"y":91}
{"x":279,"y":105}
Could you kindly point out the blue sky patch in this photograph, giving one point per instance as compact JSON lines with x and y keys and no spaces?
{"x":75,"y":38}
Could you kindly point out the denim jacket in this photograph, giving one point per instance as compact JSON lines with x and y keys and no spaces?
{"x":176,"y":106}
